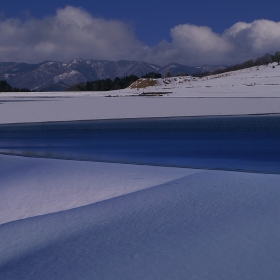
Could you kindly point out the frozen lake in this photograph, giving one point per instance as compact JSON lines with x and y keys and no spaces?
{"x":230,"y":143}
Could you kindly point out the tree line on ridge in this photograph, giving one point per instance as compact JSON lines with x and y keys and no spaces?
{"x":262,"y":60}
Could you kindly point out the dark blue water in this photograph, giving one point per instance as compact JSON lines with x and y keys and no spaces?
{"x":232,"y":143}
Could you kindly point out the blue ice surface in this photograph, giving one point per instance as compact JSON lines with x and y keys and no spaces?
{"x":247,"y":143}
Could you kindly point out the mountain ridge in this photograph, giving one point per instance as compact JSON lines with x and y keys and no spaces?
{"x":53,"y":75}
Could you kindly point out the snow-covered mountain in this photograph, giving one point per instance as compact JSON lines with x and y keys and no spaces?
{"x":56,"y":76}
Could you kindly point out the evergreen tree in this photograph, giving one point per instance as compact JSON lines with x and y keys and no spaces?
{"x":276,"y":57}
{"x":5,"y":87}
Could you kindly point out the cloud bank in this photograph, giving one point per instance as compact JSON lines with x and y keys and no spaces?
{"x":73,"y":32}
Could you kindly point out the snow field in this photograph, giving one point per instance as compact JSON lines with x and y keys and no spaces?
{"x":203,"y":225}
{"x":91,"y":108}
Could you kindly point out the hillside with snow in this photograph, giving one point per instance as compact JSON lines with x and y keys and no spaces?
{"x":255,"y":81}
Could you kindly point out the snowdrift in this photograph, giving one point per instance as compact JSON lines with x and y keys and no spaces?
{"x":203,"y":225}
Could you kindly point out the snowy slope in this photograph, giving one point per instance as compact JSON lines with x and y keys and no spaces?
{"x":251,"y":82}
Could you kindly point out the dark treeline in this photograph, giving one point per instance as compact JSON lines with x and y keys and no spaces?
{"x":262,"y":60}
{"x":108,"y":84}
{"x":152,"y":75}
{"x":5,"y":87}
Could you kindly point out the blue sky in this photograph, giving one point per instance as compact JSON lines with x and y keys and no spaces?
{"x":154,"y":31}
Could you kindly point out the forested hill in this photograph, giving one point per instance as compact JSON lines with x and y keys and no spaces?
{"x":262,"y":60}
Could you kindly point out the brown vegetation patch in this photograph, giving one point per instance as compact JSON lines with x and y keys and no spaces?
{"x":143,"y":83}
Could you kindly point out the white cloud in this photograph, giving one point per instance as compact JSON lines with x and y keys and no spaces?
{"x":193,"y":45}
{"x":200,"y":45}
{"x":73,"y":32}
{"x":253,"y":39}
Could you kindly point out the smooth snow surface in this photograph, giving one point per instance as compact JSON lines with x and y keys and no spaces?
{"x":202,"y":225}
{"x":31,"y":187}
